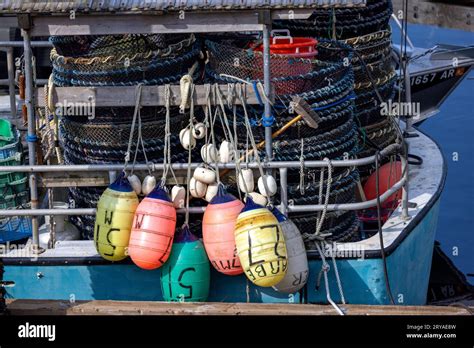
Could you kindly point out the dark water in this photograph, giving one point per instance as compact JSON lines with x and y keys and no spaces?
{"x":453,"y":129}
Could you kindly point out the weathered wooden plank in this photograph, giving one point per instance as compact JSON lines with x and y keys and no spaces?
{"x":57,"y":307}
{"x":94,"y":179}
{"x":441,"y":14}
{"x":174,"y":23}
{"x":125,"y":96}
{"x":73,"y":180}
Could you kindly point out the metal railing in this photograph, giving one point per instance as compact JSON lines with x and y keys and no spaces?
{"x":8,"y":46}
{"x":283,"y":166}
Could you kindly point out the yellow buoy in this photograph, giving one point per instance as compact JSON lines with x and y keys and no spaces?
{"x":114,"y":217}
{"x":260,"y":245}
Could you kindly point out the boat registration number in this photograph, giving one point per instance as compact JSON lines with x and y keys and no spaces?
{"x":437,"y":76}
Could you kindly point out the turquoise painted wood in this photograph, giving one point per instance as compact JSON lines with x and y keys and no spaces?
{"x":409,"y":269}
{"x":408,"y":266}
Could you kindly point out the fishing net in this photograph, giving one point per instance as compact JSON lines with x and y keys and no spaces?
{"x":102,"y":138}
{"x":374,"y":72}
{"x":326,"y":83}
{"x":290,"y":75}
{"x":122,"y":60}
{"x":366,"y":31}
{"x":341,"y":23}
{"x":94,"y":46}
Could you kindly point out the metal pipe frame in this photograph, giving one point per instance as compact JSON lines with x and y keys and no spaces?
{"x":11,"y":80}
{"x":19,"y":44}
{"x":38,"y":82}
{"x":31,"y":138}
{"x":267,"y":89}
{"x":405,"y":169}
{"x":32,"y":168}
{"x":200,"y":210}
{"x":284,"y":202}
{"x":390,"y":149}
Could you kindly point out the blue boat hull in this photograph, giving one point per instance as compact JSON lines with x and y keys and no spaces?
{"x":363,"y":281}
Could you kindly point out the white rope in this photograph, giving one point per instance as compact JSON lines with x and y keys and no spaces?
{"x":302,"y":183}
{"x":167,"y":146}
{"x":252,"y":139}
{"x":53,"y":138}
{"x":232,"y":139}
{"x":321,"y":219}
{"x":188,"y":175}
{"x":213,"y":137}
{"x":185,"y":84}
{"x":325,"y":269}
{"x":136,"y":115}
{"x":338,"y":279}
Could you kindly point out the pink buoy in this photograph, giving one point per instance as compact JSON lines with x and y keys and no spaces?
{"x":153,"y":230}
{"x":218,"y":228}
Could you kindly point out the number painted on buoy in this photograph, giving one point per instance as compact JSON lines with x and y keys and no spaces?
{"x":186,"y":274}
{"x":218,"y":229}
{"x":114,"y":217}
{"x":260,"y":245}
{"x":153,"y":230}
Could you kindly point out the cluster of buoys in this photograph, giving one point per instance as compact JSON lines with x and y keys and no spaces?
{"x":237,"y":238}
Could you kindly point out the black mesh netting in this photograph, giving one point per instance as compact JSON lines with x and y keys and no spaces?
{"x":347,"y":22}
{"x":102,"y":138}
{"x":326,"y":83}
{"x":367,"y":32}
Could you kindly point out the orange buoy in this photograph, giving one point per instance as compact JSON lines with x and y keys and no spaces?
{"x":152,"y":230}
{"x":218,"y":228}
{"x":389,"y":174}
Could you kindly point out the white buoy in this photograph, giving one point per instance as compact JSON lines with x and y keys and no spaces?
{"x":209,"y":153}
{"x":148,"y":184}
{"x":204,"y":175}
{"x":185,"y":140}
{"x":246,"y":181}
{"x":178,"y":195}
{"x":271,"y":185}
{"x":298,"y":270}
{"x":197,"y":188}
{"x":257,"y":198}
{"x":135,"y":182}
{"x":199,"y":130}
{"x":226,"y":152}
{"x":211,"y":191}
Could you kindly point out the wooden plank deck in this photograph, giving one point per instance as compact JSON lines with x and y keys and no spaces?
{"x":58,"y":307}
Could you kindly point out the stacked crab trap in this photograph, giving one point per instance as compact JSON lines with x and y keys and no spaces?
{"x":214,"y":200}
{"x":366,"y":30}
{"x":320,"y":77}
{"x":14,"y":191}
{"x":102,"y":135}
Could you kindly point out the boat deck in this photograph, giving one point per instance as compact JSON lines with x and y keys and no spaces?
{"x":425,"y":185}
